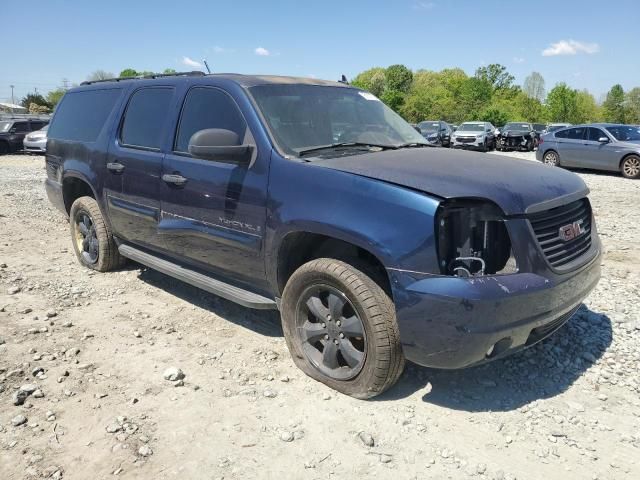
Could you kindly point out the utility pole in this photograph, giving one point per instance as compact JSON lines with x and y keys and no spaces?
{"x":65,"y":83}
{"x":12,"y":102}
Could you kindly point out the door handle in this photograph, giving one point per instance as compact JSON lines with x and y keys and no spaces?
{"x":174,"y":179}
{"x":115,"y":167}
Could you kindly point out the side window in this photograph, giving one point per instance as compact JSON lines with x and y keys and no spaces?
{"x":145,"y":117}
{"x":21,"y":127}
{"x":36,"y":126}
{"x":206,"y":107}
{"x":81,"y":115}
{"x":562,"y":134}
{"x":594,"y":134}
{"x":576,"y":133}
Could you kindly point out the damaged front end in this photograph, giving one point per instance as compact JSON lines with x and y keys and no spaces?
{"x":513,"y":140}
{"x":472,"y":240}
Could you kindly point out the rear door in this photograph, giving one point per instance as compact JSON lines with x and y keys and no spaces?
{"x":571,"y":146}
{"x":215,"y":217}
{"x":135,"y":160}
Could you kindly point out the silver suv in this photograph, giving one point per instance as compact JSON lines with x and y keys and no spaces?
{"x":476,"y":135}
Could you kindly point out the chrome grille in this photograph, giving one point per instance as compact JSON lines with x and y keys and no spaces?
{"x":546,"y":225}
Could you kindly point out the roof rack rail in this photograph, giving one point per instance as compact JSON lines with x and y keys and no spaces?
{"x":194,"y":73}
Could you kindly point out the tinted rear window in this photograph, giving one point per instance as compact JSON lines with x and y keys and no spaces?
{"x":576,"y":133}
{"x":145,"y":117}
{"x":81,"y":115}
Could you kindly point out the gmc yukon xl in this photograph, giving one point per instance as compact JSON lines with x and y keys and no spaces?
{"x":314,"y":198}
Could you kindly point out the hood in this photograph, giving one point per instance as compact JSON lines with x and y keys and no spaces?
{"x":468,"y":133}
{"x":514,"y":133}
{"x":516,"y":186}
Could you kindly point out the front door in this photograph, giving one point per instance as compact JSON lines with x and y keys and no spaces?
{"x":214,"y":213}
{"x":597,"y":154}
{"x":136,"y":158}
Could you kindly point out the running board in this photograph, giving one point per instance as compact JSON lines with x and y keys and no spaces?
{"x":221,"y":289}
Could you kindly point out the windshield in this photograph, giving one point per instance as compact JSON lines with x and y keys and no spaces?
{"x":429,"y":126}
{"x":521,"y":127}
{"x":625,"y":133}
{"x":302,"y":117}
{"x":5,"y":126}
{"x":471,"y":127}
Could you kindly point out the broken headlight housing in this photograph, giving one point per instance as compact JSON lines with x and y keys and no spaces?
{"x":473,"y":240}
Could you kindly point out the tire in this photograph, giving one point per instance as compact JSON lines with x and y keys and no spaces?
{"x":630,"y":167}
{"x":484,"y":147}
{"x":91,"y":237}
{"x":4,"y":148}
{"x":551,"y":158}
{"x":379,"y":360}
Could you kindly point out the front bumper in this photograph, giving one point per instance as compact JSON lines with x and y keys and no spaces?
{"x":39,"y":145}
{"x":451,"y":322}
{"x":475,"y":144}
{"x":513,"y":143}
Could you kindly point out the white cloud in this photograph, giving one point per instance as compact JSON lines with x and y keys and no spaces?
{"x":518,"y":60}
{"x":262,"y":52}
{"x":570,"y":47}
{"x":423,"y":5}
{"x":219,"y":49}
{"x":189,"y":62}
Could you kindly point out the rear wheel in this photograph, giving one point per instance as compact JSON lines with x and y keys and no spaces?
{"x":630,"y":167}
{"x":551,"y":158}
{"x":341,"y":329}
{"x":91,"y":237}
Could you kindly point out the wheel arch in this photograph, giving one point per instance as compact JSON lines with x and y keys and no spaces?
{"x":627,"y":155}
{"x":299,"y":247}
{"x":74,"y":186}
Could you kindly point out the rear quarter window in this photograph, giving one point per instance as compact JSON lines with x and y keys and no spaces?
{"x":81,"y":115}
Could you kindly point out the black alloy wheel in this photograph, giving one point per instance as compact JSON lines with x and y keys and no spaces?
{"x":86,"y":237}
{"x":331,"y":332}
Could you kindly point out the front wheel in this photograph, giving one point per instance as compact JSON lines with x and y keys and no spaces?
{"x":340,"y":328}
{"x":91,"y":237}
{"x":551,"y":158}
{"x":630,"y":167}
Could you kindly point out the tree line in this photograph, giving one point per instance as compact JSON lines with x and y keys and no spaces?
{"x":491,"y":95}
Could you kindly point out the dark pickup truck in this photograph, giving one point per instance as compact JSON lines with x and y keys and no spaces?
{"x":314,"y":198}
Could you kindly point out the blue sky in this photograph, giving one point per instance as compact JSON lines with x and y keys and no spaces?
{"x":587,"y":44}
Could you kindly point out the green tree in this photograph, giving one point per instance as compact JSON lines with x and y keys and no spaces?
{"x":587,"y":110}
{"x":562,"y":103}
{"x":633,"y":105}
{"x":34,"y":98}
{"x":496,"y":75}
{"x":475,"y":96}
{"x":398,"y":78}
{"x":168,"y":71}
{"x":496,"y":116}
{"x":54,"y":96}
{"x":533,"y":86}
{"x":128,"y":72}
{"x":372,"y":80}
{"x":614,"y":105}
{"x":100,"y":75}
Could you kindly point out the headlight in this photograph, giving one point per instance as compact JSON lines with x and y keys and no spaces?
{"x":480,"y":137}
{"x":473,"y":240}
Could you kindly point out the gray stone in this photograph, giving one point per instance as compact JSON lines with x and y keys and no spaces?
{"x":145,"y":451}
{"x":18,"y":420}
{"x":366,"y":439}
{"x":173,"y":374}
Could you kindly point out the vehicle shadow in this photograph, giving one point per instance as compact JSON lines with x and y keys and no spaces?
{"x":542,"y":371}
{"x":263,"y":322}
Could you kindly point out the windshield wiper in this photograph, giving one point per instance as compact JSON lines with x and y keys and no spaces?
{"x":343,"y":145}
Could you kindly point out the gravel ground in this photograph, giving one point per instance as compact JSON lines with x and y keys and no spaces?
{"x":87,"y":388}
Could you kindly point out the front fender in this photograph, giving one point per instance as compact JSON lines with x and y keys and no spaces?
{"x":393,"y":223}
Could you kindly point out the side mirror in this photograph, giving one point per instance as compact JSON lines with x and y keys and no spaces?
{"x":219,"y":145}
{"x":603,"y":140}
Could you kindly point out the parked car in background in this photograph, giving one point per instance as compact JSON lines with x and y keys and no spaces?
{"x":517,"y":136}
{"x":540,"y":128}
{"x":436,"y":132}
{"x":601,"y":146}
{"x":476,"y":135}
{"x":556,"y":126}
{"x":36,"y":141}
{"x":13,"y":131}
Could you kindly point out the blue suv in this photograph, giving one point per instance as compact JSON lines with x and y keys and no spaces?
{"x":314,"y":198}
